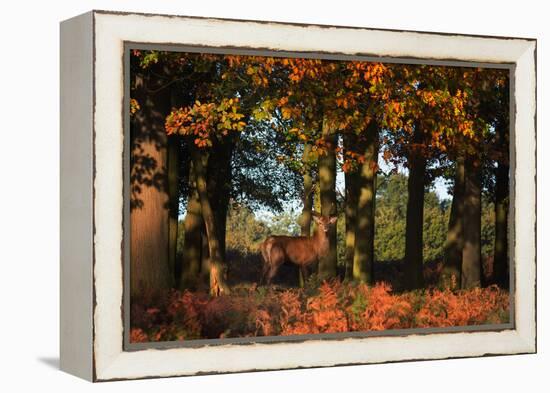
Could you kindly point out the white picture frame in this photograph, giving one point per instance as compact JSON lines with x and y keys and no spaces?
{"x":92,"y":197}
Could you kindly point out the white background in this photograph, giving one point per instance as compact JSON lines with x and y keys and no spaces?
{"x":29,"y":196}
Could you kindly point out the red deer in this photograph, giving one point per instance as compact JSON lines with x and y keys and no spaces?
{"x":299,"y":250}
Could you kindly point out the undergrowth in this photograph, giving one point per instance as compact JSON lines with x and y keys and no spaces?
{"x":329,"y":308}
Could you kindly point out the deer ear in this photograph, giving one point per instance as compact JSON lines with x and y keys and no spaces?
{"x":332,"y":220}
{"x":316,"y":218}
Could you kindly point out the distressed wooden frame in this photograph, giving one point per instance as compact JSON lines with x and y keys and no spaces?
{"x":92,"y":199}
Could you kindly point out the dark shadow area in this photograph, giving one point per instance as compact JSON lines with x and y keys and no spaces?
{"x":246,"y":269}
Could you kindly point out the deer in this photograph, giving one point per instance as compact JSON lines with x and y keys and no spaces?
{"x":299,"y":250}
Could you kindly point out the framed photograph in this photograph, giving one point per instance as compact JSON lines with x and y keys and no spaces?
{"x":246,"y":195}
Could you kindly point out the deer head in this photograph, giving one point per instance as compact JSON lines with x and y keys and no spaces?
{"x":324,"y":223}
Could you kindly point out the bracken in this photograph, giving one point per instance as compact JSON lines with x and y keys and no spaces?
{"x":333,"y":307}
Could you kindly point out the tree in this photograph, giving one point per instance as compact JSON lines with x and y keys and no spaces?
{"x":194,"y":227}
{"x":351,"y":195}
{"x":410,"y":143}
{"x":149,"y":227}
{"x":209,"y":129}
{"x":218,"y":284}
{"x":307,"y":197}
{"x":478,"y":107}
{"x":363,"y":255}
{"x":327,"y":194}
{"x":195,"y":123}
{"x":266,"y":170}
{"x":391,"y":210}
{"x":502,"y":179}
{"x":173,"y":150}
{"x":451,"y":276}
{"x":363,"y":111}
{"x":484,"y":107}
{"x":501,"y":263}
{"x":439,"y":123}
{"x":308,"y":189}
{"x":415,"y":213}
{"x":471,"y":253}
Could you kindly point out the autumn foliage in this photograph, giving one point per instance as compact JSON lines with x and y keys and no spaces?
{"x":333,"y":307}
{"x":211,"y":132}
{"x":198,"y":120}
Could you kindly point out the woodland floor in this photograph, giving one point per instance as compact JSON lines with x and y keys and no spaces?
{"x":319,"y":307}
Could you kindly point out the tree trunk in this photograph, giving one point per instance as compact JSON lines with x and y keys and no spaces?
{"x":351,"y":178}
{"x":149,"y":223}
{"x":500,"y":263}
{"x":363,"y":254}
{"x":414,"y":259}
{"x":204,"y":281}
{"x":193,"y":224}
{"x":196,"y":257}
{"x":219,"y":184}
{"x":451,"y":277}
{"x":471,"y":253}
{"x":218,"y":285}
{"x":173,"y":192}
{"x":306,"y":216}
{"x":327,"y":191}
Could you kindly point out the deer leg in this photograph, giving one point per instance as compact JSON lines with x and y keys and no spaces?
{"x":277,"y":258}
{"x":271,"y":274}
{"x":266,"y":261}
{"x":303,"y":269}
{"x":265,"y":270}
{"x":273,"y":267}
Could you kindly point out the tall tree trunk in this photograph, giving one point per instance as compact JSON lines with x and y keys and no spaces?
{"x":327,"y":191}
{"x":363,"y":255}
{"x":306,"y":216}
{"x":218,"y":285}
{"x":197,"y":273}
{"x":193,"y":224}
{"x":204,"y":281}
{"x":220,"y":214}
{"x":500,"y":263}
{"x":455,"y":235}
{"x":149,"y":223}
{"x":471,"y":253}
{"x":307,"y":178}
{"x":414,"y":259}
{"x":219,"y":184}
{"x":173,"y":192}
{"x":351,"y":178}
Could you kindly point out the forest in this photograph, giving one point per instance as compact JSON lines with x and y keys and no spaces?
{"x":393,"y":178}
